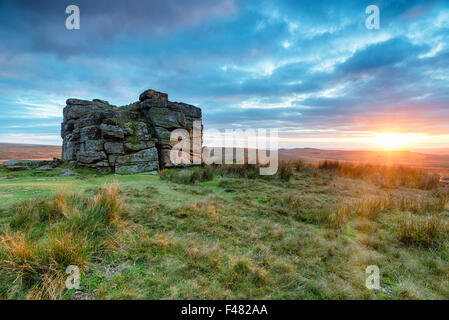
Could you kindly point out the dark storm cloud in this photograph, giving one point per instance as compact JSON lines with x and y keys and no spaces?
{"x":40,"y":24}
{"x":382,"y":55}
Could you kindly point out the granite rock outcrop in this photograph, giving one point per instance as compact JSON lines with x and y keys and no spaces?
{"x":125,"y":139}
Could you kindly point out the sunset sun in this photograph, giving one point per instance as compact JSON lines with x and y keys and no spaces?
{"x":395,"y":141}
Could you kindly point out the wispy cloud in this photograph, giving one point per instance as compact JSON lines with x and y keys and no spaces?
{"x":43,"y":110}
{"x":297,"y":65}
{"x":30,"y":139}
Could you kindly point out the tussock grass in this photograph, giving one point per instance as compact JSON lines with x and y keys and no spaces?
{"x":204,"y":260}
{"x":137,"y":244}
{"x":196,"y":175}
{"x":246,"y":171}
{"x":34,"y":211}
{"x":242,"y":273}
{"x":205,"y":208}
{"x":384,"y":176}
{"x":422,"y":204}
{"x":54,"y":233}
{"x":371,"y":206}
{"x":423,"y":231}
{"x":107,"y":204}
{"x":367,"y":207}
{"x":252,"y":171}
{"x":302,"y":208}
{"x":40,"y":266}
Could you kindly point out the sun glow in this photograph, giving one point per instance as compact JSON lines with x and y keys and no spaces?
{"x":396,"y":141}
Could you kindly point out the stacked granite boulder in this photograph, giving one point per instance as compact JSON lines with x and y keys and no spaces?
{"x":126,"y":139}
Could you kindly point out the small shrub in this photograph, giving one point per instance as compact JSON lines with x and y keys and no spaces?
{"x":208,"y":173}
{"x":197,"y":175}
{"x":165,"y":174}
{"x":247,"y":171}
{"x":252,"y":171}
{"x":298,"y":165}
{"x":285,"y":171}
{"x":329,"y":165}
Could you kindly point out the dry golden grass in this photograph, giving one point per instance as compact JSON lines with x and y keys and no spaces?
{"x":109,"y":202}
{"x":50,"y":287}
{"x":423,"y":231}
{"x":384,"y":176}
{"x":370,"y":206}
{"x":367,"y":207}
{"x":71,"y":225}
{"x":41,"y":264}
{"x":60,"y":203}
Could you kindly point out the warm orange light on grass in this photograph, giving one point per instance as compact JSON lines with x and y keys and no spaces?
{"x":396,"y":141}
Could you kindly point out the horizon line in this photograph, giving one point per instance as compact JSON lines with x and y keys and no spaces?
{"x":415,"y":150}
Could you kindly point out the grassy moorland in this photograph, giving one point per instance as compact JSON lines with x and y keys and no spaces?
{"x":226,"y":233}
{"x":432,"y":160}
{"x":9,"y":151}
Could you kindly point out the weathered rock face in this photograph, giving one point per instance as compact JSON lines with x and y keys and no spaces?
{"x":151,"y":94}
{"x":125,"y":139}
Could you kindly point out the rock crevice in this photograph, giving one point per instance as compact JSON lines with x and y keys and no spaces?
{"x":126,"y":139}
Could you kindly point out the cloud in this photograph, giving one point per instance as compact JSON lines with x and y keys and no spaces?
{"x":39,"y":110}
{"x":30,"y":139}
{"x":300,"y":66}
{"x":40,"y":26}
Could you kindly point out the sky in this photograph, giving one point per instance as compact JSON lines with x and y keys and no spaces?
{"x":311,"y":69}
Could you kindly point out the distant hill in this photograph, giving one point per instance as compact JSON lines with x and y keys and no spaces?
{"x":444,"y":151}
{"x":10,"y":151}
{"x":433,"y":162}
